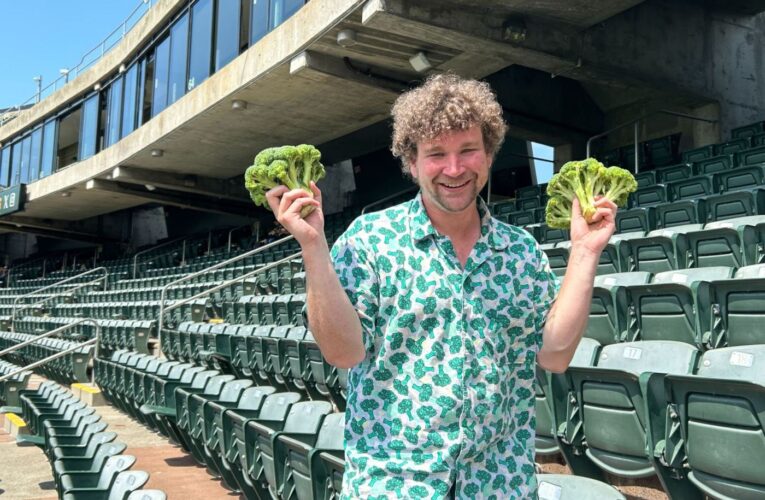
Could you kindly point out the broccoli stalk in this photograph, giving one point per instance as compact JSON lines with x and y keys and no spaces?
{"x":291,"y":166}
{"x":586,"y":180}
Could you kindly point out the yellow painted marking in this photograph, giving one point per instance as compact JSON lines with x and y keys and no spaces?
{"x":15,"y":420}
{"x":86,"y":388}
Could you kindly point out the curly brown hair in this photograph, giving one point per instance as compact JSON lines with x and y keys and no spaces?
{"x":445,"y":103}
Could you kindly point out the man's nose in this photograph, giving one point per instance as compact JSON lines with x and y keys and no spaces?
{"x":454,"y":167}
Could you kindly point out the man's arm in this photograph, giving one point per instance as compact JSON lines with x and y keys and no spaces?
{"x":334,"y":322}
{"x":567,"y":318}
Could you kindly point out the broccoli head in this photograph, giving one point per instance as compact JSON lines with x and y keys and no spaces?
{"x":291,"y":166}
{"x":586,"y":180}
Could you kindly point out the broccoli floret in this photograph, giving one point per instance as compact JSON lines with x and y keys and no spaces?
{"x":586,"y":180}
{"x":291,"y":166}
{"x":619,"y":184}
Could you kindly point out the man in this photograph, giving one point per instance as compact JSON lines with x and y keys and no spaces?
{"x":441,"y":312}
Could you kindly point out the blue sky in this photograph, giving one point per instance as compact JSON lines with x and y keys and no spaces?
{"x":39,"y":37}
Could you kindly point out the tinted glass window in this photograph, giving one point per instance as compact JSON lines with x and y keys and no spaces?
{"x":88,"y":128}
{"x":48,"y":164}
{"x":161,"y":72}
{"x":16,"y":163}
{"x":35,"y":152}
{"x":258,"y":20}
{"x":226,"y":33}
{"x":5,"y":165}
{"x":201,"y":42}
{"x":114,"y":110}
{"x":129,"y":101}
{"x":25,"y":153}
{"x":179,"y":41}
{"x":281,"y":10}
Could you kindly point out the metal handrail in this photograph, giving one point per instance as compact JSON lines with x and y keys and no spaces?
{"x":60,"y":329}
{"x":81,"y":65}
{"x":390,"y":197}
{"x":135,"y":257}
{"x":220,"y":286}
{"x":228,"y":248}
{"x":636,"y":122}
{"x":59,"y":283}
{"x":55,"y":295}
{"x":163,"y":293}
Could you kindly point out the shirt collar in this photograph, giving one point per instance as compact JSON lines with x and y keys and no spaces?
{"x":421,"y":227}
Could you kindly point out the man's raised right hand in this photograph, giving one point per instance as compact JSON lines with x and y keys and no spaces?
{"x":287,"y":205}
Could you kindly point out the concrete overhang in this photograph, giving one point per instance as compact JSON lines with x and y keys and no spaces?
{"x":301,"y":86}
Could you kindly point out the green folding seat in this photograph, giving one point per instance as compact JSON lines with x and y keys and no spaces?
{"x":281,"y":312}
{"x":649,"y":196}
{"x":714,"y":164}
{"x":635,"y":219}
{"x":718,"y":244}
{"x":715,"y":428}
{"x":741,"y":178}
{"x":751,"y":156}
{"x":332,"y":466}
{"x":749,"y":130}
{"x":93,"y":464}
{"x":646,"y":179}
{"x":732,"y":146}
{"x":503,"y":207}
{"x":95,"y":484}
{"x":86,"y":449}
{"x":525,"y":204}
{"x":298,"y":283}
{"x":666,"y":308}
{"x":124,"y":484}
{"x":680,"y":213}
{"x":520,"y":219}
{"x":568,"y":487}
{"x":295,"y":309}
{"x":699,"y":154}
{"x":186,"y":404}
{"x":557,"y":255}
{"x":147,"y":495}
{"x":609,"y":417}
{"x":758,"y":139}
{"x":79,"y":434}
{"x":691,"y":188}
{"x":656,"y":252}
{"x":732,"y":311}
{"x":528,"y":192}
{"x":551,"y":394}
{"x":240,"y":360}
{"x":304,"y":418}
{"x":605,"y":324}
{"x":735,"y":204}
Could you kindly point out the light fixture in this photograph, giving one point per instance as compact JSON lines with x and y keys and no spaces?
{"x":66,"y":194}
{"x":156,"y":153}
{"x":237,"y":104}
{"x":122,"y":68}
{"x":514,"y":30}
{"x":346,"y":38}
{"x":150,"y":187}
{"x":420,"y":62}
{"x":65,"y":73}
{"x":97,"y":87}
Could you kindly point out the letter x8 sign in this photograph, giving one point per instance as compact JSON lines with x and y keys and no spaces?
{"x":11,"y":200}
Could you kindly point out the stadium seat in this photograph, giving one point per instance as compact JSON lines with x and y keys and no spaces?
{"x":752,"y":156}
{"x":611,"y":419}
{"x":715,"y":426}
{"x":732,"y":146}
{"x":714,"y":164}
{"x":732,"y":311}
{"x":674,"y":173}
{"x":96,"y":484}
{"x":698,"y":154}
{"x":748,"y":130}
{"x":649,"y":196}
{"x":656,"y":252}
{"x":666,"y":308}
{"x":609,"y":262}
{"x":605,"y":325}
{"x":557,"y":255}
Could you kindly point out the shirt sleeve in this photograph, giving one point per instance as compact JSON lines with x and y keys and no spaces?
{"x":546,"y":287}
{"x":359,"y":279}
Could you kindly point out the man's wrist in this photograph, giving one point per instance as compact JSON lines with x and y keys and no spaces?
{"x":580,"y":255}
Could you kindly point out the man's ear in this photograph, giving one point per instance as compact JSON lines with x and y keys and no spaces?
{"x":411,"y":164}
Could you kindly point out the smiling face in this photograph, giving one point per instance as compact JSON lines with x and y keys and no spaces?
{"x":452,"y":169}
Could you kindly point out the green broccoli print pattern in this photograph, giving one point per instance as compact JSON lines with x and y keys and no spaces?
{"x":445,"y":394}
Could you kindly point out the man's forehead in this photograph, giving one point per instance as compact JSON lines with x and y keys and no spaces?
{"x":469,"y":135}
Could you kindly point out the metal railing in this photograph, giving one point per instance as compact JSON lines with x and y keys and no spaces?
{"x":636,"y":132}
{"x":68,"y":291}
{"x":59,"y":283}
{"x":388,"y":198}
{"x":219,"y":265}
{"x":167,"y":243}
{"x":89,"y":58}
{"x":95,"y":340}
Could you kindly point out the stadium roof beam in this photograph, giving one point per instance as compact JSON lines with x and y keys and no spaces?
{"x":196,"y":184}
{"x":345,"y":69}
{"x":192,"y":202}
{"x":50,"y":229}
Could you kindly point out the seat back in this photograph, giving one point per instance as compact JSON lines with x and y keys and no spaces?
{"x":306,"y":417}
{"x":332,"y":433}
{"x":568,"y":487}
{"x":113,"y":466}
{"x":126,"y":483}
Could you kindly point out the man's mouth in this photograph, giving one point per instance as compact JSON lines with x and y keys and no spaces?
{"x":454,"y":186}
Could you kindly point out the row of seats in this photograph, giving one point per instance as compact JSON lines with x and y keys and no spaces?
{"x":286,"y":357}
{"x":86,"y":461}
{"x":66,"y":369}
{"x":732,"y":147}
{"x":660,"y":408}
{"x":735,"y":243}
{"x":280,"y":310}
{"x":264,"y":443}
{"x":707,"y":307}
{"x":195,"y":310}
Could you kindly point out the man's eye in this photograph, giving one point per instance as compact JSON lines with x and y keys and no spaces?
{"x":470,"y":150}
{"x":435,"y":155}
